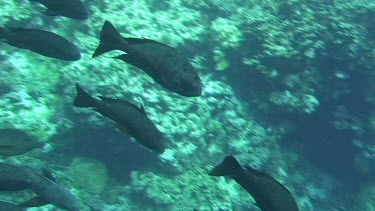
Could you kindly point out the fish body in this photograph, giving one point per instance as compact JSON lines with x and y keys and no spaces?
{"x":129,"y":118}
{"x":49,"y":192}
{"x":42,"y":42}
{"x":74,"y":9}
{"x":16,"y":142}
{"x":7,"y":206}
{"x":166,"y":65}
{"x":16,"y":178}
{"x":268,"y":193}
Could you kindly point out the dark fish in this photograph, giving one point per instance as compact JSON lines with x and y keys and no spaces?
{"x":129,"y":117}
{"x":68,"y":8}
{"x":16,"y":142}
{"x":268,"y":193}
{"x":42,"y":42}
{"x":49,"y":192}
{"x":164,"y":64}
{"x":15,"y":178}
{"x":7,"y":206}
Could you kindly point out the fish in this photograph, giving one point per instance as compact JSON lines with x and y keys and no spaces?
{"x":8,"y":206}
{"x":16,"y":142}
{"x":16,"y":178}
{"x":41,"y":42}
{"x":268,"y":193}
{"x":165,"y":64}
{"x":74,"y":9}
{"x":129,"y":118}
{"x":48,"y":191}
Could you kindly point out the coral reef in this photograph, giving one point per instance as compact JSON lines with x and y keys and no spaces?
{"x":287,"y":59}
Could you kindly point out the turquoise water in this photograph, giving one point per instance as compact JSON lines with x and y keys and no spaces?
{"x":288,"y":88}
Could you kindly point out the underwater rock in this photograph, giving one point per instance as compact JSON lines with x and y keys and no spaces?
{"x":89,"y":173}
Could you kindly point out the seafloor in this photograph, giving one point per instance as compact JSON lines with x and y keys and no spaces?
{"x":288,"y":88}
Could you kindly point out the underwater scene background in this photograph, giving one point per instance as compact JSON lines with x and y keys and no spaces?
{"x":288,"y":88}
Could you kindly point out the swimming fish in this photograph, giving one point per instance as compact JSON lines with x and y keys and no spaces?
{"x":42,"y":42}
{"x":69,"y":8}
{"x":16,"y":178}
{"x":166,"y":65}
{"x":7,"y":206}
{"x":50,"y":192}
{"x":129,"y":118}
{"x":268,"y":193}
{"x":16,"y":142}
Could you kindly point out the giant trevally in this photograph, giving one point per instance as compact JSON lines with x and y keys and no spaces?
{"x":42,"y":42}
{"x":16,"y":142}
{"x":268,"y":193}
{"x":68,"y":8}
{"x":166,"y":65}
{"x":129,"y":117}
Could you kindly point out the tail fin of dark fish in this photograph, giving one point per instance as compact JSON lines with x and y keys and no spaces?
{"x":83,"y":99}
{"x":228,"y":167}
{"x":109,"y":39}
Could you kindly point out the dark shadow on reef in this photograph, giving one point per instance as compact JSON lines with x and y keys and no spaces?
{"x":120,"y":155}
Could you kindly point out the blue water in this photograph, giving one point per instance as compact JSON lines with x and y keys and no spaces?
{"x":288,"y":88}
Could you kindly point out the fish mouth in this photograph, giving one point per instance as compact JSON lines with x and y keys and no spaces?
{"x":196,"y":92}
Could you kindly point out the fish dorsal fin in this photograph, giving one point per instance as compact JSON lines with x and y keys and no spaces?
{"x":123,"y":102}
{"x":37,"y":201}
{"x":47,"y":174}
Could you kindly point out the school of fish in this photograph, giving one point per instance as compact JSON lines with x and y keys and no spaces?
{"x":164,"y":64}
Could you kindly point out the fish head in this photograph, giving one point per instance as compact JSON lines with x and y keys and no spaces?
{"x":159,"y":149}
{"x":80,"y":15}
{"x":157,"y":145}
{"x":191,"y":87}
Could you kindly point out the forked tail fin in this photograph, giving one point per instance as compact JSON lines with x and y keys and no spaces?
{"x":110,"y":39}
{"x":228,"y":167}
{"x":83,"y":99}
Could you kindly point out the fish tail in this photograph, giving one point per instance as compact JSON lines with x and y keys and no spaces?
{"x":83,"y":99}
{"x":229,"y":166}
{"x":110,"y":39}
